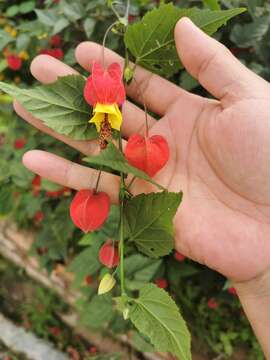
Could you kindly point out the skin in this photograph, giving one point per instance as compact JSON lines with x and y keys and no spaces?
{"x":219,"y":157}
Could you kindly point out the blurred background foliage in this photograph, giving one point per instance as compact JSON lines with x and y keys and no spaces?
{"x":56,"y":27}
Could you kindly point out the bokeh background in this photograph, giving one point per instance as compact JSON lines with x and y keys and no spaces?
{"x":207,"y":300}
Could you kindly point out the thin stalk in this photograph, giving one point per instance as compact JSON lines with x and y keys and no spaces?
{"x":144,"y":107}
{"x":98,"y":180}
{"x":131,"y":182}
{"x":121,"y":235}
{"x":104,"y":41}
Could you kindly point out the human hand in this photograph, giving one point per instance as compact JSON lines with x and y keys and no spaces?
{"x":220,"y":151}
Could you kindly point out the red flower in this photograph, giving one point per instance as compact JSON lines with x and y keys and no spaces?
{"x":92,"y":350}
{"x":56,"y":40}
{"x":88,"y":280}
{"x":38,"y":217}
{"x":14,"y":62}
{"x":212,"y":304}
{"x":36,"y":182}
{"x":19,"y":143}
{"x":109,"y":255}
{"x":105,"y":87}
{"x":232,"y":291}
{"x":179,"y":257}
{"x":55,"y":331}
{"x":147,"y":154}
{"x":161,"y":283}
{"x":56,"y":53}
{"x":89,"y":210}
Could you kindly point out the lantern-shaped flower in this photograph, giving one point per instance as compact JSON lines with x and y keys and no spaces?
{"x":104,"y":90}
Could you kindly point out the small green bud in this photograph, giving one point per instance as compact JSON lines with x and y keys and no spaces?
{"x":106,"y":284}
{"x":128,"y":74}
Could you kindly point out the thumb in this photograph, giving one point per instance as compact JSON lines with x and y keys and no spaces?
{"x":213,"y":65}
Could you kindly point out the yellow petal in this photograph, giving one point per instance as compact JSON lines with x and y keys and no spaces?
{"x":114,"y":115}
{"x":106,"y":284}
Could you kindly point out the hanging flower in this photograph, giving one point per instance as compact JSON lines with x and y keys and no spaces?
{"x":147,"y":154}
{"x":14,"y":62}
{"x":104,"y":90}
{"x":109,"y":255}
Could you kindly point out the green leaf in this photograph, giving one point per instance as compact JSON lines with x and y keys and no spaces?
{"x":149,"y":221}
{"x":12,"y":10}
{"x":86,"y":263}
{"x":248,"y":35}
{"x":98,"y":312}
{"x":6,"y":200}
{"x":151,"y":40}
{"x":27,"y":6}
{"x":5,"y":38}
{"x":60,"y":25}
{"x":60,"y":106}
{"x":156,"y":316}
{"x":22,"y":42}
{"x":212,"y":4}
{"x":46,"y":17}
{"x":112,"y":158}
{"x":89,"y":26}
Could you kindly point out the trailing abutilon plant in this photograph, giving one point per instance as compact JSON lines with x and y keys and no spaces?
{"x":91,"y":109}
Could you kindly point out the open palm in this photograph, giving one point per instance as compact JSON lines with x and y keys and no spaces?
{"x":219,"y":151}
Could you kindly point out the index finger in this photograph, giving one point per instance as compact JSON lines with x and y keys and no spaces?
{"x":158,"y":92}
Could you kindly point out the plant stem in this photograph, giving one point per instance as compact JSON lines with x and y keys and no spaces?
{"x":98,"y":180}
{"x":131,"y":182}
{"x":121,"y":243}
{"x":104,"y":41}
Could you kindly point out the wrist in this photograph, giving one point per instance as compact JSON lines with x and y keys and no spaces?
{"x":256,"y":288}
{"x":255,"y":299}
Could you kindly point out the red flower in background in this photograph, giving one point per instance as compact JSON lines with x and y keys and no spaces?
{"x":161,"y":283}
{"x":56,"y":53}
{"x":212,"y":304}
{"x":38,"y":217}
{"x":179,"y":257}
{"x":232,"y":291}
{"x":14,"y":62}
{"x":89,"y":210}
{"x":36,"y":183}
{"x":56,"y":40}
{"x":19,"y":143}
{"x":147,"y":154}
{"x":109,"y":255}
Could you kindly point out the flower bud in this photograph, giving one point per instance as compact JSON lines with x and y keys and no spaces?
{"x":106,"y":284}
{"x":109,"y":255}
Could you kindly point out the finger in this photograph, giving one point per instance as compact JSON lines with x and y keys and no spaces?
{"x":85,"y":147}
{"x":47,"y":69}
{"x":70,"y":174}
{"x":158,"y":93}
{"x":213,"y":64}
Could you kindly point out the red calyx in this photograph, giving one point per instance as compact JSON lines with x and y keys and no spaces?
{"x":161,"y":283}
{"x":89,"y":209}
{"x":19,"y":143}
{"x":109,"y":255}
{"x":147,"y":154}
{"x":105,"y":86}
{"x":14,"y":62}
{"x":179,"y":257}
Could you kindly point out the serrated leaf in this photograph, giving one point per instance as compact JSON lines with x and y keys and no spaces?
{"x":149,"y":222}
{"x":60,"y":106}
{"x":151,"y":40}
{"x":98,"y":312}
{"x":112,"y":158}
{"x":249,"y":34}
{"x":86,"y":263}
{"x":156,"y":316}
